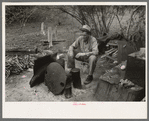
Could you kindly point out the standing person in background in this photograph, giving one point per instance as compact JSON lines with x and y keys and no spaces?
{"x":85,"y":49}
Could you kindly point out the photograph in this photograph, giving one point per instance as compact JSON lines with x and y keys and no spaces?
{"x":78,"y":53}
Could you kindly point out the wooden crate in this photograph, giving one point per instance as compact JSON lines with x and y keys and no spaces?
{"x":135,"y":70}
{"x":113,"y":92}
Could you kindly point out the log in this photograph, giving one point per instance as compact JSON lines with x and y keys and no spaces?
{"x":112,"y":44}
{"x":20,"y":52}
{"x":111,"y":51}
{"x":115,"y":53}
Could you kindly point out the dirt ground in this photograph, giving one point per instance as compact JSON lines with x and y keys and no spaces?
{"x":17,"y":86}
{"x":18,"y":89}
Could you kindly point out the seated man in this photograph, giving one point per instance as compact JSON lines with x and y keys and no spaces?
{"x":85,"y":49}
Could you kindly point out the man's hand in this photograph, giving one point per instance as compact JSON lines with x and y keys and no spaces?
{"x":80,"y":54}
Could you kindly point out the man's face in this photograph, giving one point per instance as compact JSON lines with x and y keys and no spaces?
{"x":85,"y":36}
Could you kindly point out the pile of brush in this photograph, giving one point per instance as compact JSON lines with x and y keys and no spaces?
{"x":18,"y":63}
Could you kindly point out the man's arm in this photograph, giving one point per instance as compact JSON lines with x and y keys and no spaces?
{"x":94,"y":48}
{"x":74,"y":45}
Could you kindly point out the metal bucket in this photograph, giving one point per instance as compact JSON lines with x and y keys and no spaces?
{"x":76,"y":78}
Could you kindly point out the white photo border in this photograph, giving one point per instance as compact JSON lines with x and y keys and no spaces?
{"x":66,"y":110}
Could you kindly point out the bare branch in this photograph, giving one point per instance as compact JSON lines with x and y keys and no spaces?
{"x":110,"y":21}
{"x":100,"y":28}
{"x":128,"y":27}
{"x":121,"y":28}
{"x":77,"y":18}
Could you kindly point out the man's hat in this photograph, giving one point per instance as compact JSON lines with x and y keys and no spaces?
{"x":86,"y":28}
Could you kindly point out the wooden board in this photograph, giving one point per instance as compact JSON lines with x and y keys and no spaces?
{"x":124,"y":48}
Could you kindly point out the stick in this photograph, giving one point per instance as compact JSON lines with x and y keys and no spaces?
{"x":42,"y":28}
{"x":50,"y":36}
{"x":109,"y":50}
{"x":55,"y":32}
{"x":108,"y":53}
